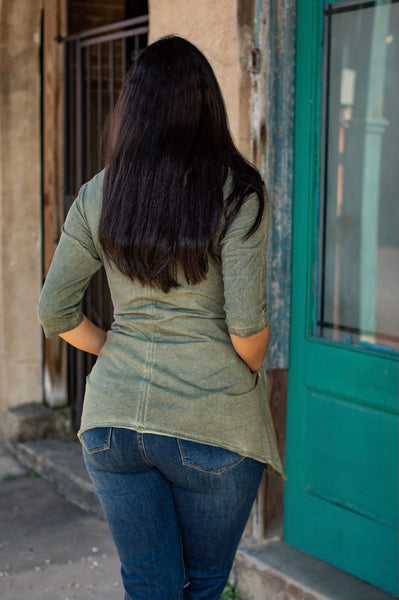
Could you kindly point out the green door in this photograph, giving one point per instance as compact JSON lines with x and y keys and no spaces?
{"x":341,"y":499}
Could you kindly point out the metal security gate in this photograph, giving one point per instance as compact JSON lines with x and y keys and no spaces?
{"x":96,"y":62}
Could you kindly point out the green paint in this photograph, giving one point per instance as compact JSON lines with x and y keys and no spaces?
{"x":341,"y":495}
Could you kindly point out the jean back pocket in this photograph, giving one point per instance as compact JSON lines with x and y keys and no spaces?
{"x":97,"y":439}
{"x":209,"y":459}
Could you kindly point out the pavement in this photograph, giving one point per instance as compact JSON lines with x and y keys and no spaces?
{"x":55,"y":544}
{"x":50,"y":548}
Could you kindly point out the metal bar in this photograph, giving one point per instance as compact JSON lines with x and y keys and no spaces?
{"x":81,"y":152}
{"x":324,"y":186}
{"x":80,"y":379}
{"x":88,"y":113}
{"x":69,"y":176}
{"x":99,"y":104}
{"x":111,"y":83}
{"x":115,"y":36}
{"x":68,"y":200}
{"x":105,"y":28}
{"x":78,"y":117}
{"x":123,"y":42}
{"x":136,"y":46}
{"x":357,"y":331}
{"x":334,"y":9}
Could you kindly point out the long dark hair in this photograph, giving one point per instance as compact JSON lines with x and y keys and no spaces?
{"x":169,"y":153}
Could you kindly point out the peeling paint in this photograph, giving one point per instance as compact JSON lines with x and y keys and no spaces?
{"x":272,"y":117}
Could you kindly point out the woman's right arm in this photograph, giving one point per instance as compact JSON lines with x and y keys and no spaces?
{"x":252,"y":349}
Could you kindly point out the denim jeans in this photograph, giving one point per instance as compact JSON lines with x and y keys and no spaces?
{"x":176,"y":510}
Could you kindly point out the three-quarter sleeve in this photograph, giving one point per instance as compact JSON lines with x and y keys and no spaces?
{"x":244,"y":270}
{"x":75,"y":261}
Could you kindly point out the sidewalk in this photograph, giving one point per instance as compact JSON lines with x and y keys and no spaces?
{"x":54,"y":544}
{"x":50,"y":549}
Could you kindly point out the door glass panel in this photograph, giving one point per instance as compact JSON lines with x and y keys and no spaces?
{"x":358,"y":278}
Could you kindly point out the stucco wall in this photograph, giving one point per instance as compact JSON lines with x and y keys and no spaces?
{"x":20,"y":213}
{"x":222,"y":30}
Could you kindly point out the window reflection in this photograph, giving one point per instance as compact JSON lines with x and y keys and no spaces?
{"x":359,"y":231}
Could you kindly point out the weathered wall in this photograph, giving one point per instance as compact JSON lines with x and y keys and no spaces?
{"x":222,"y":31}
{"x":280,"y":30}
{"x":20,"y":203}
{"x":272,"y":150}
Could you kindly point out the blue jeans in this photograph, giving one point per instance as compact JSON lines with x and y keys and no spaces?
{"x":176,"y":510}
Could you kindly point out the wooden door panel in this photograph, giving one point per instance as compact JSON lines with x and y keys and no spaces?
{"x":366,"y":377}
{"x":348,"y":457}
{"x":345,"y":539}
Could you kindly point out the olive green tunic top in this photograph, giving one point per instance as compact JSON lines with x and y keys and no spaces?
{"x":168,"y":365}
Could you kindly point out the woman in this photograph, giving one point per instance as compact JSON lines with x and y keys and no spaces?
{"x":176,"y":428}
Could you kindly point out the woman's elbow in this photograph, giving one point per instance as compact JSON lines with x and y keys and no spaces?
{"x":42,"y":310}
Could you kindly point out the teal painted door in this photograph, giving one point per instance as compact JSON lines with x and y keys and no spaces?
{"x":341,"y":498}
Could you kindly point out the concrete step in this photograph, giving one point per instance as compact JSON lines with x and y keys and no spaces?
{"x":277,"y":571}
{"x":273,"y":570}
{"x":61,"y":463}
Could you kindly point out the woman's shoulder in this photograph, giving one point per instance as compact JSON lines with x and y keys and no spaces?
{"x":247,"y":207}
{"x":93,"y":190}
{"x":90,"y":196}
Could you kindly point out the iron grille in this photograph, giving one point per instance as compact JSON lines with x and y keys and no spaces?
{"x":96,"y":62}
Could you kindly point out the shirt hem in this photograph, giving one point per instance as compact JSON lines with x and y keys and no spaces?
{"x":269,"y":463}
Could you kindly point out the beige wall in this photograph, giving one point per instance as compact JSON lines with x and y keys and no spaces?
{"x":20,"y":201}
{"x":222,"y":30}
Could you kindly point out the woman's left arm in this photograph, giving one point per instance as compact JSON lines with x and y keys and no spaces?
{"x":86,"y":336}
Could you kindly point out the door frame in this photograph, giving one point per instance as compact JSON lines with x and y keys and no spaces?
{"x":306,"y":197}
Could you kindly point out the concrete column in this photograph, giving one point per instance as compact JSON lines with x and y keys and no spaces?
{"x":20,"y":203}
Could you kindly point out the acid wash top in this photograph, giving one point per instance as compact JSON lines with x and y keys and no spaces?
{"x":168,"y":365}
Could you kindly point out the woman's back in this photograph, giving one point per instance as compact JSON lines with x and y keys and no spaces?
{"x":168,"y":364}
